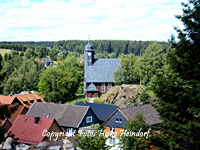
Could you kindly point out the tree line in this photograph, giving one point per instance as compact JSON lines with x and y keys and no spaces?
{"x":62,"y":48}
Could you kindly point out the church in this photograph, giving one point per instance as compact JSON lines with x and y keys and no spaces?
{"x":98,"y":73}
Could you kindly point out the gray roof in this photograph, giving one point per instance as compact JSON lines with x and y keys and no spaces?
{"x":47,"y":59}
{"x":102,"y":70}
{"x":102,"y":111}
{"x":65,"y":115}
{"x":88,"y":46}
{"x":91,"y":88}
{"x":148,"y":112}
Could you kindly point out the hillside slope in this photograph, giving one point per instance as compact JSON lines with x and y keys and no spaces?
{"x":127,"y":96}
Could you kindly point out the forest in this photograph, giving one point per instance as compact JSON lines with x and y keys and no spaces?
{"x":21,"y":70}
{"x":170,"y":69}
{"x":60,"y":49}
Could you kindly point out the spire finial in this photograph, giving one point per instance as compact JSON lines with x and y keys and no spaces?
{"x":88,"y":38}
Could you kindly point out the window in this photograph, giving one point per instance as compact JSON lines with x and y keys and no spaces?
{"x":48,"y":115}
{"x":70,"y":130}
{"x":112,"y":140}
{"x":103,"y":87}
{"x":109,"y":85}
{"x":89,"y":56}
{"x":22,"y":131}
{"x":89,"y":119}
{"x":112,"y":129}
{"x":25,"y":102}
{"x":89,"y":53}
{"x":118,"y":120}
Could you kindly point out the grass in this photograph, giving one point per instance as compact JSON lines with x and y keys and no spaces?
{"x":81,"y":97}
{"x":72,"y":102}
{"x":3,"y":51}
{"x":151,"y":94}
{"x":99,"y":100}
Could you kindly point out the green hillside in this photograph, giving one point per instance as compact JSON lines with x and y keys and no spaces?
{"x":3,"y":51}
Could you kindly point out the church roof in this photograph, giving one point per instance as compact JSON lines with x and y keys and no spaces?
{"x":102,"y":70}
{"x":91,"y":88}
{"x":47,"y":59}
{"x":89,"y":47}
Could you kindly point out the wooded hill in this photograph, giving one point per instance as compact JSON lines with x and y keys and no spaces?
{"x":116,"y":47}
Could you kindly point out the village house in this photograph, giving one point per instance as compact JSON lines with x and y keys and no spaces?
{"x":7,"y":123}
{"x":102,"y":111}
{"x":116,"y":121}
{"x":69,"y":117}
{"x":46,"y":62}
{"x":33,"y":129}
{"x":98,"y":73}
{"x":24,"y":99}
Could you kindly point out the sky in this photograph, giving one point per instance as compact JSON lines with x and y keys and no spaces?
{"x":53,"y":20}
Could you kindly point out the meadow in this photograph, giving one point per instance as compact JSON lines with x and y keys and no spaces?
{"x":3,"y":51}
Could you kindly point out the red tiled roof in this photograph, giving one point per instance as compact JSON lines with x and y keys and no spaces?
{"x":27,"y":131}
{"x":81,"y":59}
{"x":23,"y":98}
{"x":6,"y":99}
{"x":29,"y":96}
{"x":20,"y":110}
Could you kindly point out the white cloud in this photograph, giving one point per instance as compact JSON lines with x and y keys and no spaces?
{"x":75,"y":19}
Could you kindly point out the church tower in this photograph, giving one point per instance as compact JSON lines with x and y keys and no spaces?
{"x":89,"y":55}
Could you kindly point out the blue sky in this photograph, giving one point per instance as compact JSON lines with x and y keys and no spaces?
{"x":52,"y":20}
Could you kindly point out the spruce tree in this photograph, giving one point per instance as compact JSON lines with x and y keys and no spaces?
{"x":178,"y":86}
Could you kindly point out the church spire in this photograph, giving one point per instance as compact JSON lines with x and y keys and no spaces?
{"x":88,"y":38}
{"x":88,"y":47}
{"x":89,"y":53}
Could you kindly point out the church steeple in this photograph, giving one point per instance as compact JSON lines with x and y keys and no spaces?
{"x":89,"y":54}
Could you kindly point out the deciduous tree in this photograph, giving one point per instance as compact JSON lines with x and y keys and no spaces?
{"x":134,"y":142}
{"x":125,"y":73}
{"x":24,"y":78}
{"x":94,"y":141}
{"x":57,"y":85}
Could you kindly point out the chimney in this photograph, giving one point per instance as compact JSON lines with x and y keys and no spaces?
{"x":29,"y":91}
{"x":37,"y":118}
{"x":85,"y":101}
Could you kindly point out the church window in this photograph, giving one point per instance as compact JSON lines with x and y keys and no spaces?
{"x":103,"y":87}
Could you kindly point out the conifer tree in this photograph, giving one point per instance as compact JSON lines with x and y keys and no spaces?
{"x":178,"y":86}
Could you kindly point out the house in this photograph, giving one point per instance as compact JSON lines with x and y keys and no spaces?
{"x":102,"y":111}
{"x":117,"y":120}
{"x":98,"y":73}
{"x":46,"y":62}
{"x":81,"y":60}
{"x":33,"y":129}
{"x":7,"y":123}
{"x":69,"y":117}
{"x":10,"y":100}
{"x":24,"y":99}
